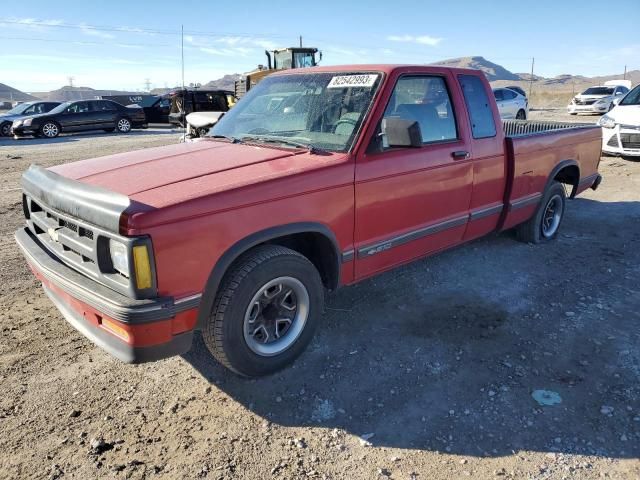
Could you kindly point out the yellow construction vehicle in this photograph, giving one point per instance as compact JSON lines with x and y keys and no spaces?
{"x":283,"y":59}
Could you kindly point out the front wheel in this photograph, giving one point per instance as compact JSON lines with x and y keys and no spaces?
{"x":521,"y":115}
{"x":266,"y":311}
{"x":123,"y":125}
{"x":5,"y":129}
{"x":50,"y":130}
{"x":545,"y":223}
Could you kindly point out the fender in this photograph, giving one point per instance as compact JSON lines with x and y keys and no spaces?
{"x":242,"y":246}
{"x":562,"y":164}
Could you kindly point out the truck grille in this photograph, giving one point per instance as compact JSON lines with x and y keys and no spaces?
{"x":67,"y":239}
{"x":630,"y":140}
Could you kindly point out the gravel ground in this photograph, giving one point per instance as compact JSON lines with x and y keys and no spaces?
{"x":425,"y":372}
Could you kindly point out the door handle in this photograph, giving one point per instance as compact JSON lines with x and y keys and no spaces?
{"x":460,"y":155}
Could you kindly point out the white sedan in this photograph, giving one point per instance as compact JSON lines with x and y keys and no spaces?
{"x":621,"y":126}
{"x":511,"y":104}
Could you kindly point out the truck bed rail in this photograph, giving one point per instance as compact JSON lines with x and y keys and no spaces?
{"x":519,"y":128}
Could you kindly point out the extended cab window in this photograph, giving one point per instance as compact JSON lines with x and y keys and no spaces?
{"x":426,"y":100}
{"x":477,"y":101}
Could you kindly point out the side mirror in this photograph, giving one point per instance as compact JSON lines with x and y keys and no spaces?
{"x":398,"y":132}
{"x":616,"y":101}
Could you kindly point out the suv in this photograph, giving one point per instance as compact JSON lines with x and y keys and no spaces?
{"x":190,"y":100}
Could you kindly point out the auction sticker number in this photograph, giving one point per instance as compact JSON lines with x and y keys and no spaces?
{"x":346,"y":81}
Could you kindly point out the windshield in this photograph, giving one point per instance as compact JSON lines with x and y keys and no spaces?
{"x":632,"y":98}
{"x":598,"y":91}
{"x":322,"y":110}
{"x":18,"y":109}
{"x":60,"y":108}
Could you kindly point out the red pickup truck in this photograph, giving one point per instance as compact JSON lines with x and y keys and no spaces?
{"x":317,"y":178}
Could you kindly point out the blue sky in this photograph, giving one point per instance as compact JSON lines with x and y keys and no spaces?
{"x":44,"y":43}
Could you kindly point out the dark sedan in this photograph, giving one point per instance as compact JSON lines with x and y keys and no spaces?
{"x":23,"y":110}
{"x":81,"y":116}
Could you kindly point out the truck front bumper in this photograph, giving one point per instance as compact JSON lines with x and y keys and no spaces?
{"x":593,"y":108}
{"x":134,"y":331}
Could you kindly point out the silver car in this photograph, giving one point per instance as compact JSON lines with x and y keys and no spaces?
{"x":511,"y":104}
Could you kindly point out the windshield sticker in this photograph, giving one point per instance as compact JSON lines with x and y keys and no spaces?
{"x":346,"y":81}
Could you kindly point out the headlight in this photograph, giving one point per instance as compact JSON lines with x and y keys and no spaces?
{"x":119,"y":257}
{"x":602,"y":102}
{"x":16,"y":123}
{"x":27,"y":122}
{"x":606,"y":122}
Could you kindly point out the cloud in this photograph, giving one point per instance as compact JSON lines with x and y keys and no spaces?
{"x":419,"y":39}
{"x":30,"y":23}
{"x":88,"y":30}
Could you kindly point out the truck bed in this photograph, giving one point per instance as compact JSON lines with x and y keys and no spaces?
{"x":535,"y":150}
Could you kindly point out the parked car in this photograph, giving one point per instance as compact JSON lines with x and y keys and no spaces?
{"x":81,"y":116}
{"x":156,"y":108}
{"x":621,"y":126}
{"x":600,"y":98}
{"x":517,"y":89}
{"x":21,"y":111}
{"x":239,"y":233}
{"x":190,"y":100}
{"x":511,"y":104}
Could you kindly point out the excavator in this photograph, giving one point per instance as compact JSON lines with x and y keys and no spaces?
{"x":199,"y":123}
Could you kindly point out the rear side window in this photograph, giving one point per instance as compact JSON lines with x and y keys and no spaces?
{"x":508,"y":94}
{"x":477,"y":101}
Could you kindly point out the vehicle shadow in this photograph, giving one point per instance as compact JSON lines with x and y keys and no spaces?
{"x":444,"y":354}
{"x":74,"y":137}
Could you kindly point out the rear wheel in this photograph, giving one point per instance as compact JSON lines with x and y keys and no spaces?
{"x":545,"y":223}
{"x":123,"y":125}
{"x":50,"y":130}
{"x":5,"y":129}
{"x":266,"y":311}
{"x":521,"y":115}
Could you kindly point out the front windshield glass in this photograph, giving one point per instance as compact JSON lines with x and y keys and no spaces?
{"x":598,"y":91}
{"x":632,"y":98}
{"x":322,"y":110}
{"x":60,"y":108}
{"x":18,"y":109}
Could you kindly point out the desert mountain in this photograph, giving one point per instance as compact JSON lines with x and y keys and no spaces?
{"x":493,"y":71}
{"x":10,"y":94}
{"x":67,"y":93}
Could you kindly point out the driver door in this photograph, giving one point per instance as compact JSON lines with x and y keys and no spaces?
{"x":413,"y":201}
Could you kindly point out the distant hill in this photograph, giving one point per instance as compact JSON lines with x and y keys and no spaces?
{"x":225,"y":83}
{"x":493,"y":71}
{"x":10,"y":94}
{"x":67,"y":93}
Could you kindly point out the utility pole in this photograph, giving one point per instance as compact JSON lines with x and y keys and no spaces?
{"x":300,"y":41}
{"x":533,"y":61}
{"x":71,"y":79}
{"x":147,"y":84}
{"x":625,"y":73}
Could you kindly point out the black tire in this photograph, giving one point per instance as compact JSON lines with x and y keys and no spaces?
{"x":5,"y":129}
{"x":521,"y":115}
{"x":123,"y":125}
{"x":224,"y":335}
{"x":110,"y":130}
{"x":49,"y":129}
{"x":533,"y":230}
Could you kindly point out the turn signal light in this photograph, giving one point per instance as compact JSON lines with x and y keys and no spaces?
{"x":116,"y":329}
{"x":142,"y":267}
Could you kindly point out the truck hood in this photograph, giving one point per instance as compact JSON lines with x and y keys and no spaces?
{"x":626,"y":115}
{"x":132,"y":173}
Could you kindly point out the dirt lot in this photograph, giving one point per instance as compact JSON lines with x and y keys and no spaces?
{"x":426,"y":372}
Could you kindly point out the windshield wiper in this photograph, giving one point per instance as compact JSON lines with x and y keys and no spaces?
{"x":226,"y":137}
{"x":284,"y":141}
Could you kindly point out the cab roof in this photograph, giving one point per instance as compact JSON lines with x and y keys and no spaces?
{"x":384,"y":68}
